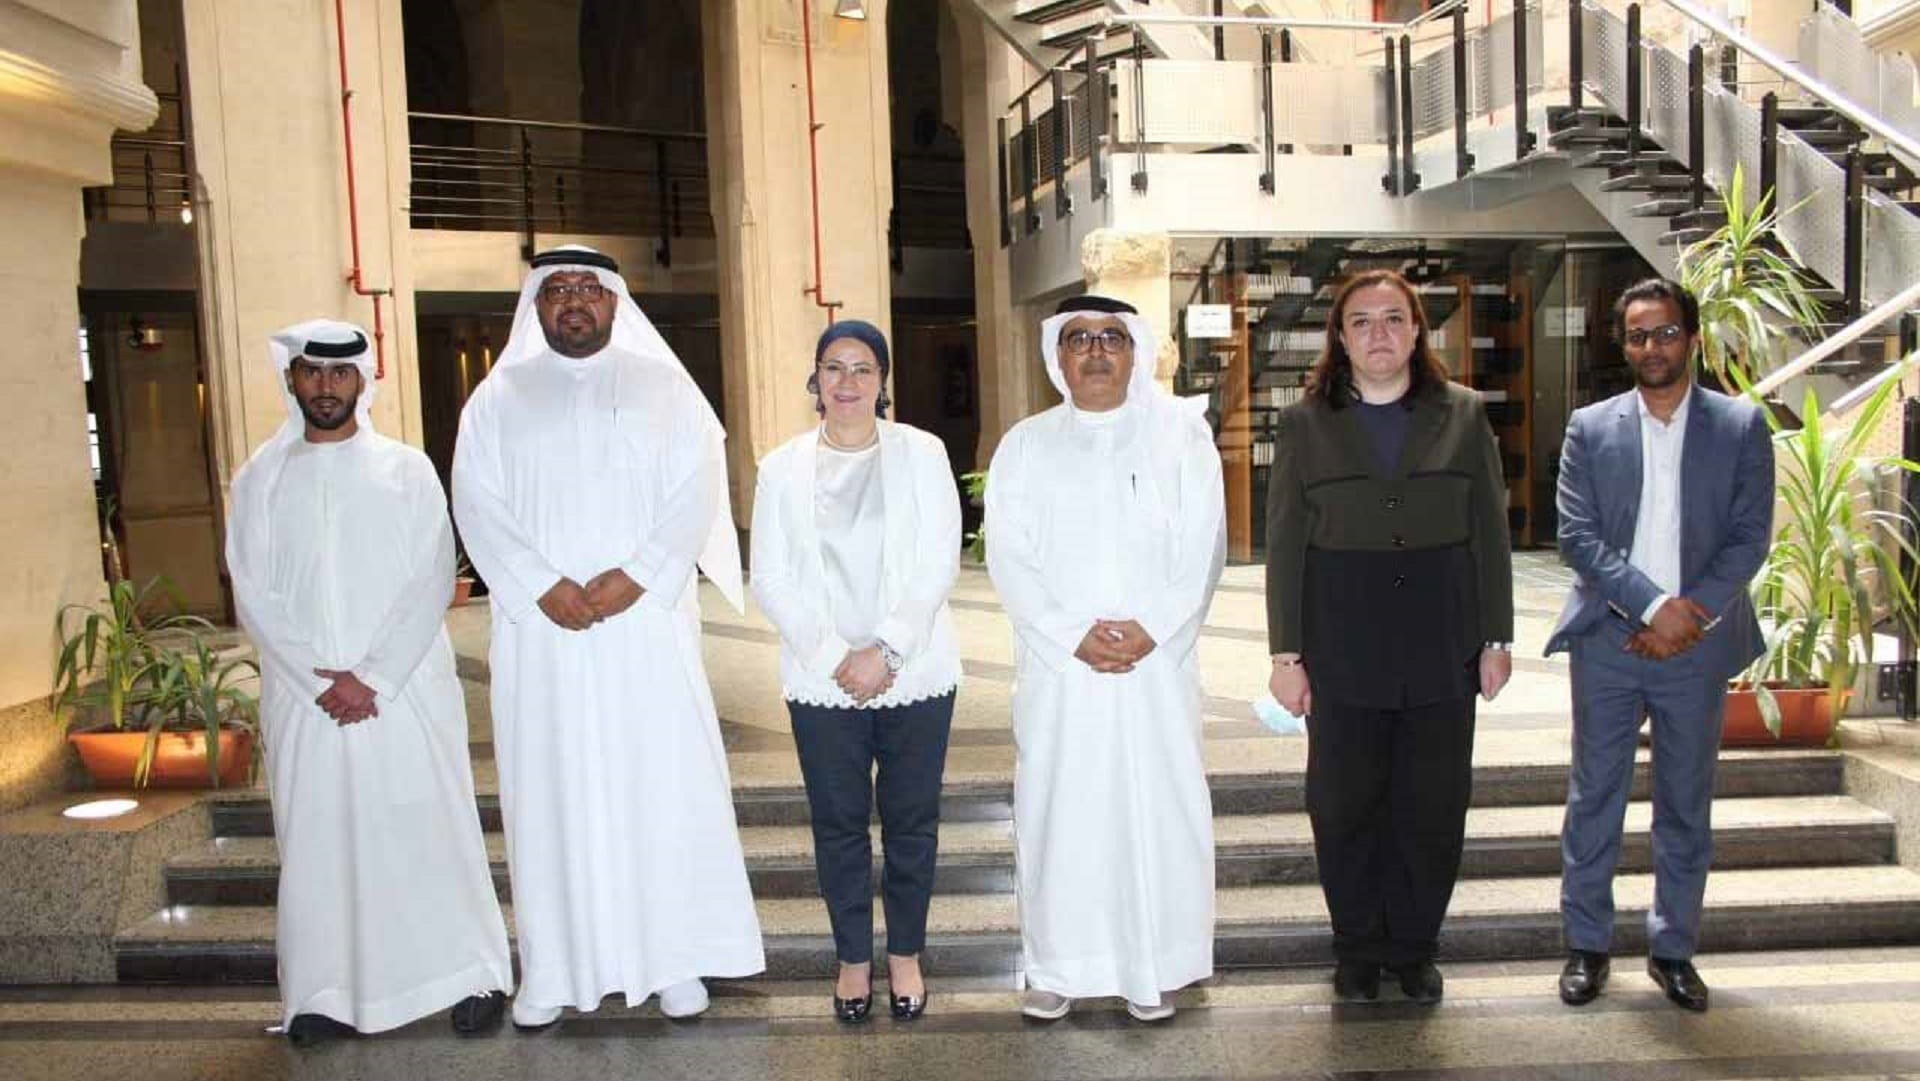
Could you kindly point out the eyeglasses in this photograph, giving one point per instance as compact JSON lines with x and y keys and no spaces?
{"x":558,"y":292}
{"x":1080,"y":342}
{"x":860,"y":373}
{"x":1665,"y":334}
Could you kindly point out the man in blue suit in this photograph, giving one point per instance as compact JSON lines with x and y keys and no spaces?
{"x":1666,"y":512}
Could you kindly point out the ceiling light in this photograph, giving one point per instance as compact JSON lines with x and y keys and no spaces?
{"x":850,"y":9}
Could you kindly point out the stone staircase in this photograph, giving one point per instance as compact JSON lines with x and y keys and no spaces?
{"x":1798,"y":864}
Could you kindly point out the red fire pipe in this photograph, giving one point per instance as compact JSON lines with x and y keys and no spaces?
{"x":818,"y":290}
{"x":353,"y":203}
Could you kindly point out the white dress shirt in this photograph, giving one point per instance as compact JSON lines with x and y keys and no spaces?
{"x":1656,"y":531}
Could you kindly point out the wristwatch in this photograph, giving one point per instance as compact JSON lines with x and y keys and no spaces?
{"x":890,"y":655}
{"x":1498,"y":647}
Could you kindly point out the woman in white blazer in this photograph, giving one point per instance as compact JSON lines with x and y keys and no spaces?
{"x":856,"y":544}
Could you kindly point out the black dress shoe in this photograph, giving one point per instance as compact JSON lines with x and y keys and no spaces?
{"x":1583,"y":977}
{"x":907,"y":1007}
{"x":307,"y":1029}
{"x":1421,"y":982}
{"x":477,"y":1015}
{"x":1356,"y":981}
{"x":852,"y":1011}
{"x":1681,"y":981}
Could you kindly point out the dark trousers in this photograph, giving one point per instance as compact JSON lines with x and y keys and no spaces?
{"x":1387,"y":793}
{"x":839,"y":750}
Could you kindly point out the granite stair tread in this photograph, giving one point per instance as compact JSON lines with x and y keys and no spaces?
{"x":1252,"y":831}
{"x":1828,"y":891}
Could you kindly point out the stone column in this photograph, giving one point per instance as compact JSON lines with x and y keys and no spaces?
{"x":988,"y":70}
{"x":763,"y":204}
{"x":273,"y":223}
{"x":1136,"y":268}
{"x":69,"y":76}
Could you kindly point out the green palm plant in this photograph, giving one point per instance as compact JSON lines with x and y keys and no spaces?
{"x":121,"y":668}
{"x":1747,"y":289}
{"x":975,"y":485}
{"x":1816,"y":591}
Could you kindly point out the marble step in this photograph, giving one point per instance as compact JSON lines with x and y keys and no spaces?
{"x":1251,"y":850}
{"x":1258,"y":926}
{"x":1254,"y":776}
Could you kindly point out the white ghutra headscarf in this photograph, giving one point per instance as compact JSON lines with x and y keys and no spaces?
{"x":637,"y":348}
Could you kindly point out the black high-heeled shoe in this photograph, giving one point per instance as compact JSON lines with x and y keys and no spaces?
{"x":907,"y":1007}
{"x":852,"y":1011}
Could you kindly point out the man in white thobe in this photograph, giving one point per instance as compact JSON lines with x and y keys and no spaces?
{"x":588,"y":482}
{"x":1107,"y":537}
{"x":342,"y":562}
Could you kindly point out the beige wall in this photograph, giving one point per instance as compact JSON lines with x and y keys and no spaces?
{"x":273,"y":226}
{"x":757,"y":159}
{"x":69,"y":75}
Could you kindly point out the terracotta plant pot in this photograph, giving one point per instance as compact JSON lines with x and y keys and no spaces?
{"x":180,"y":760}
{"x":462,"y":592}
{"x":1806,"y":719}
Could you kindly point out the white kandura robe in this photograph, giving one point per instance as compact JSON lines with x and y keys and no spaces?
{"x":626,"y":862}
{"x":387,"y":910}
{"x":1109,"y":516}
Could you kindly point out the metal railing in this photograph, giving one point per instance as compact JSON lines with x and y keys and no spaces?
{"x":152,"y":172}
{"x":531,"y":177}
{"x":1097,"y":109}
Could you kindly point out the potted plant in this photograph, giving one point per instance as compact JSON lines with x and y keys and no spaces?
{"x":462,"y":582}
{"x":1747,"y":289}
{"x":150,"y":701}
{"x":1816,"y":593}
{"x":975,"y":485}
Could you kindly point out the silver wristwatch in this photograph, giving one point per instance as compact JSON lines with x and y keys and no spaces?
{"x":891,"y":656}
{"x":1498,"y":647}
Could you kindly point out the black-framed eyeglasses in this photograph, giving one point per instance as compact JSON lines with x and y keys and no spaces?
{"x":1664,"y":334}
{"x":1111,"y":341}
{"x":558,"y":292}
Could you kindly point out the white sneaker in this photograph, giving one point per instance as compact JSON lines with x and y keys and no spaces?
{"x":685,"y":999}
{"x":1045,"y":1005}
{"x":1159,"y":1011}
{"x":527,"y":1015}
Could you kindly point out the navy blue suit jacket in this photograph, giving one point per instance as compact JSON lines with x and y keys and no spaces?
{"x":1726,"y":520}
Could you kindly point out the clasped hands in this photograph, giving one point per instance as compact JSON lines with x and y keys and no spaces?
{"x":576,"y":607}
{"x":347,"y":700}
{"x":1677,"y":626}
{"x":863,"y":674}
{"x":1114,"y":646}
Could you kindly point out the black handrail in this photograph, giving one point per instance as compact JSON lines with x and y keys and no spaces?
{"x":1095,"y":90}
{"x":1697,"y":125}
{"x":1139,"y":179}
{"x":1462,"y":158}
{"x":1634,"y":79}
{"x":1267,"y":179}
{"x":1770,"y":147}
{"x":1062,"y":138}
{"x":1853,"y":240}
{"x":1576,"y":54}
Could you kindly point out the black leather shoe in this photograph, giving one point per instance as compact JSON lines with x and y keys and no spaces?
{"x":1681,"y":981}
{"x":1421,"y":982}
{"x":907,"y":1007}
{"x":1356,"y":981}
{"x":1583,"y":977}
{"x":477,"y":1015}
{"x":307,"y":1029}
{"x":852,"y":1011}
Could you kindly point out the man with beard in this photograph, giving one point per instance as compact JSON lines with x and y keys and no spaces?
{"x":342,"y":564}
{"x":1109,"y":532}
{"x":1666,"y":511}
{"x":589,"y":481}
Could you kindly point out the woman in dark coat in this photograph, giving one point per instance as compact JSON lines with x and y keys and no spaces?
{"x":1389,"y":606}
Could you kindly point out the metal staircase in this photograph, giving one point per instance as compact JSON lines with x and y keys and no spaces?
{"x":1052,"y":33}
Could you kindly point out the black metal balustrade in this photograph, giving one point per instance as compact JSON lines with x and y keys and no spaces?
{"x":532,"y":177}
